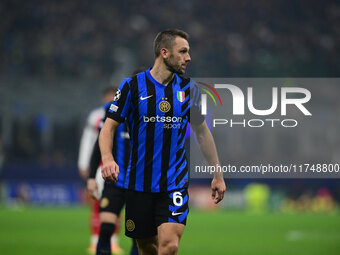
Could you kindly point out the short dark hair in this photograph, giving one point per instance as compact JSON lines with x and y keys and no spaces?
{"x":166,"y":38}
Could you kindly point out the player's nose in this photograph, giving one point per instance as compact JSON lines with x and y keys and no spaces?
{"x":187,"y":57}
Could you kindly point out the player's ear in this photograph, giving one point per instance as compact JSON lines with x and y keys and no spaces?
{"x":164,"y":53}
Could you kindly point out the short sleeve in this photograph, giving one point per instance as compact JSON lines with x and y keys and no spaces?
{"x":196,"y":117}
{"x":121,"y":104}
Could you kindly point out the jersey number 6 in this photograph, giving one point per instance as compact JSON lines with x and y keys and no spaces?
{"x":177,"y":198}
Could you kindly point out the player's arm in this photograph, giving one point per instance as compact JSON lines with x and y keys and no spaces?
{"x":208,"y":148}
{"x":110,"y":169}
{"x":116,"y":114}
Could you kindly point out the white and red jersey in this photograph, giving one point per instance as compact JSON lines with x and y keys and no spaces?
{"x":89,"y":137}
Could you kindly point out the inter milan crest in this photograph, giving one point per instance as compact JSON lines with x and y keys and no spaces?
{"x":130,"y":225}
{"x":117,"y":96}
{"x":180,"y":96}
{"x":164,"y":106}
{"x":104,"y":202}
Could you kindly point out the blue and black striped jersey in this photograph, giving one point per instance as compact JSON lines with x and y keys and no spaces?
{"x":157,"y":116}
{"x":121,"y":153}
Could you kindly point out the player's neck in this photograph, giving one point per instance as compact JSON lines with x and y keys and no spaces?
{"x":161,"y":74}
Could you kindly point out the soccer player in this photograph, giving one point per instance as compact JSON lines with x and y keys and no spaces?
{"x":88,"y":139}
{"x":158,"y":104}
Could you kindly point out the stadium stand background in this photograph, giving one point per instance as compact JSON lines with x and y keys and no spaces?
{"x":76,"y":38}
{"x":56,"y":56}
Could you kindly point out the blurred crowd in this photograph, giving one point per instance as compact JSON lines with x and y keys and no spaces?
{"x":84,"y":38}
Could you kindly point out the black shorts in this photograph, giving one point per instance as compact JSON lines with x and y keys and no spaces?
{"x":144,"y":211}
{"x":113,"y":199}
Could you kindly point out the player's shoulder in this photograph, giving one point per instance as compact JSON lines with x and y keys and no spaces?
{"x":134,"y":79}
{"x":187,"y":82}
{"x":125,"y":82}
{"x":183,"y":81}
{"x":183,"y":78}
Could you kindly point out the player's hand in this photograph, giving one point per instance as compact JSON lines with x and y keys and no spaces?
{"x":110,"y":171}
{"x":218,"y":188}
{"x":92,"y":188}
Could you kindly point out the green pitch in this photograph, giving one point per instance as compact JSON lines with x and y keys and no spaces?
{"x":48,"y":231}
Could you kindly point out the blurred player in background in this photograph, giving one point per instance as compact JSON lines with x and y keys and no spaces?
{"x":90,"y":133}
{"x":158,"y":104}
{"x":87,"y":142}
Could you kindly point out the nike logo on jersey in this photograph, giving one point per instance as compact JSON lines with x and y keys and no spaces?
{"x":143,"y":98}
{"x":175,"y":214}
